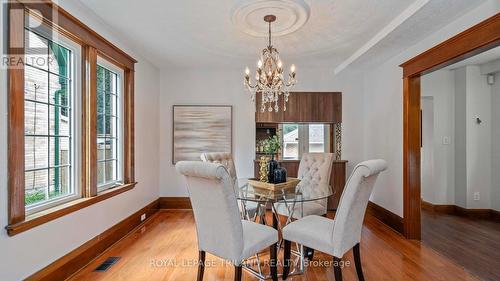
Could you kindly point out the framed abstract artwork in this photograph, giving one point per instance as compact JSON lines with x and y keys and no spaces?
{"x":200,"y":128}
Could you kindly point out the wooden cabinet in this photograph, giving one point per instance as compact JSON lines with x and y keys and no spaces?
{"x":302,"y":107}
{"x":266,"y":116}
{"x":337,"y":178}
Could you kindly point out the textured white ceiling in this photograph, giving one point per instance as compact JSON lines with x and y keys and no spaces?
{"x":198,"y":33}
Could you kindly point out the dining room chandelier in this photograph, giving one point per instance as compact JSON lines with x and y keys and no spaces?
{"x":269,"y":77}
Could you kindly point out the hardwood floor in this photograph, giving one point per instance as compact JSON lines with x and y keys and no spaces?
{"x":163,"y":248}
{"x":471,"y":243}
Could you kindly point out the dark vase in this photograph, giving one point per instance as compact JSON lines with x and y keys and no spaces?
{"x":271,"y":166}
{"x":280,"y":175}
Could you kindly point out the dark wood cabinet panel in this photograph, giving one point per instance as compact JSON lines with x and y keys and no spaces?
{"x":325,"y":107}
{"x":266,"y":116}
{"x":337,"y":178}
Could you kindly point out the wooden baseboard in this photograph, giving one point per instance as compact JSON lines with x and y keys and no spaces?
{"x":387,"y":217}
{"x":175,"y":203}
{"x":495,"y":215}
{"x":461,"y":211}
{"x":392,"y":220}
{"x":72,"y":262}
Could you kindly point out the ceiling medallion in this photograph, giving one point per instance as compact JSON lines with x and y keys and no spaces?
{"x":269,"y":77}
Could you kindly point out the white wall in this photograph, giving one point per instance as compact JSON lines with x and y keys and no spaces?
{"x":427,"y":159}
{"x":452,"y":173}
{"x":495,"y":143}
{"x":461,"y":137}
{"x":225,"y":86}
{"x":384,"y":111}
{"x":478,"y":139}
{"x":25,"y":253}
{"x":440,"y":86}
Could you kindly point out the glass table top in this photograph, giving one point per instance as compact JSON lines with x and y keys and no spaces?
{"x":248,"y":192}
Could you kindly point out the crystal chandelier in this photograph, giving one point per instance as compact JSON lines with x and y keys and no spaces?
{"x":269,"y":80}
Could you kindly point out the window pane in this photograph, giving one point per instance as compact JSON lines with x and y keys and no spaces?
{"x":36,"y":84}
{"x":35,"y":187}
{"x":59,"y":151}
{"x":58,"y":90}
{"x":36,"y":51}
{"x":316,"y":138}
{"x":110,"y":171}
{"x":59,"y":124}
{"x":107,"y":126}
{"x":108,"y":104}
{"x":59,"y":182}
{"x":48,"y":121}
{"x":36,"y":152}
{"x":290,"y":141}
{"x":59,"y":60}
{"x":101,"y":148}
{"x":35,"y":118}
{"x":110,"y":149}
{"x":101,"y":173}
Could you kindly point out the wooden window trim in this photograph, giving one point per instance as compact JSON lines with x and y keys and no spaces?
{"x":92,"y":45}
{"x":56,"y":212}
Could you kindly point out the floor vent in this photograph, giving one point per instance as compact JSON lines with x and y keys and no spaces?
{"x":107,"y":264}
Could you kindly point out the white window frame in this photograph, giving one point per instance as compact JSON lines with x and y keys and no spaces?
{"x":120,"y":73}
{"x":76,"y":109}
{"x":303,"y":139}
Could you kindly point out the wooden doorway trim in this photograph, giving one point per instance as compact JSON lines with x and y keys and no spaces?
{"x":477,"y":39}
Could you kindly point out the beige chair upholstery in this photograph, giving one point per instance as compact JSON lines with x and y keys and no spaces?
{"x":219,"y":227}
{"x":314,"y":172}
{"x":224,"y":158}
{"x":336,"y":237}
{"x":249,"y":209}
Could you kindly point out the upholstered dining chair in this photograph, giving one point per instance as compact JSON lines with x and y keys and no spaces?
{"x":314,"y":174}
{"x":220,"y":229}
{"x":337,"y":236}
{"x":248,"y":209}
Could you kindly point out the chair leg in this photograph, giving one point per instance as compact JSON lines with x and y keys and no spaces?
{"x":357,"y":262}
{"x":337,"y":269}
{"x":237,"y":273}
{"x":286,"y":259}
{"x":201,"y":265}
{"x":309,"y":253}
{"x":273,"y":261}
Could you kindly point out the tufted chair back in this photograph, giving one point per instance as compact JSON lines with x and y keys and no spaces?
{"x":224,"y":158}
{"x":314,"y":172}
{"x":351,"y":211}
{"x":215,"y":209}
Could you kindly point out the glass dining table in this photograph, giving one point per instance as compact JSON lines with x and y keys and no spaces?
{"x":292,"y":199}
{"x":289,"y":200}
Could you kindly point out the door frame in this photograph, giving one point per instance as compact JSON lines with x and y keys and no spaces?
{"x":475,"y":40}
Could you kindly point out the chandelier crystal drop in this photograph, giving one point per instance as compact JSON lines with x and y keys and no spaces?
{"x":269,"y":77}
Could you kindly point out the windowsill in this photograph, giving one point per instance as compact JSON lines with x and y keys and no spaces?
{"x":51,"y":214}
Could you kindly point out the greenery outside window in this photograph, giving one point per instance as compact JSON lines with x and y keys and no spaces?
{"x":109,"y":125}
{"x":50,"y":106}
{"x":53,"y":133}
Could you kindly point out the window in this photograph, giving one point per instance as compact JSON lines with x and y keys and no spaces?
{"x":70,"y":116}
{"x":300,"y":138}
{"x":109,"y":120}
{"x":50,"y":107}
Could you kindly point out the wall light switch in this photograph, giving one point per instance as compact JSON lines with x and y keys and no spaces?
{"x":446,"y":140}
{"x":477,"y":196}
